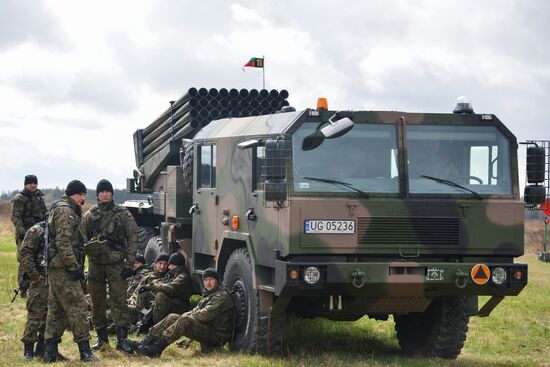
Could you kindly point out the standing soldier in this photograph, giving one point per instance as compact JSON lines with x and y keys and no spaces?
{"x":66,"y":303}
{"x":110,"y":235}
{"x":210,"y":322}
{"x":27,"y":209}
{"x":31,"y":258}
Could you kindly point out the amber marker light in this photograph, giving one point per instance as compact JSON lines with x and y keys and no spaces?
{"x":294,"y":274}
{"x":235,"y":222}
{"x":518,"y":275}
{"x":322,"y":103}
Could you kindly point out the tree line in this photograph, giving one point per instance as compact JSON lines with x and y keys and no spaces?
{"x":53,"y":194}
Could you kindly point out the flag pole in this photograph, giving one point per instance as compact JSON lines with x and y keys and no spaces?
{"x":263,"y":70}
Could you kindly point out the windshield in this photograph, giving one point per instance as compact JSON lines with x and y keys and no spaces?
{"x":364,"y":159}
{"x":475,"y":157}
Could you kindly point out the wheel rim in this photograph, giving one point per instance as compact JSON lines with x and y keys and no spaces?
{"x":241,"y":304}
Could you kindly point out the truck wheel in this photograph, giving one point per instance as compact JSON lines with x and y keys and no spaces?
{"x":153,"y":249}
{"x":254,"y":333}
{"x":144,"y":235}
{"x":188,"y":168}
{"x":440,"y":331}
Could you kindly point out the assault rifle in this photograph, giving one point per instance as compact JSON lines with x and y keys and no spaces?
{"x":19,"y":286}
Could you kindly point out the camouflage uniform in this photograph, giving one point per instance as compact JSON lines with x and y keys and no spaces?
{"x":171,"y":294}
{"x":27,"y":209}
{"x":134,"y":281}
{"x":31,"y":258}
{"x":66,"y":302}
{"x":116,"y":225}
{"x":210,"y":322}
{"x":144,"y":299}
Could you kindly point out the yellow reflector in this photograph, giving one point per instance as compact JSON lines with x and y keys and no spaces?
{"x":294,"y":274}
{"x":322,"y":103}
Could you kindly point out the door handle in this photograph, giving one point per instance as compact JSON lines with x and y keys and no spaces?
{"x":194,"y":209}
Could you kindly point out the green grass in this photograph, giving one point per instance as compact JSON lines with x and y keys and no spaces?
{"x":516,"y":334}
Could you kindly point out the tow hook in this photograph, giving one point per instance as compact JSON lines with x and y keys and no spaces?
{"x":460,"y":278}
{"x":358,"y":278}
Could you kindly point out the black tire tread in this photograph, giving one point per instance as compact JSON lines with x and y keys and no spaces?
{"x":442,"y":337}
{"x":144,"y":235}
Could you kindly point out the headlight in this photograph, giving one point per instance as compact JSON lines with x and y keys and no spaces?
{"x":499,"y":275}
{"x":311,"y":275}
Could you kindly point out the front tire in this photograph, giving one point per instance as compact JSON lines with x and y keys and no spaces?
{"x":254,"y":333}
{"x":144,"y":235}
{"x":153,"y":249}
{"x":440,"y":331}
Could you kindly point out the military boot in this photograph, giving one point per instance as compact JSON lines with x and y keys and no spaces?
{"x":123,"y":343}
{"x":85,"y":352}
{"x":154,"y":348}
{"x":102,"y":338}
{"x":51,"y":354}
{"x":28,"y":351}
{"x":39,"y":348}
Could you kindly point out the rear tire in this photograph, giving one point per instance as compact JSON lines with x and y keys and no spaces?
{"x":153,"y":249}
{"x":254,"y":333}
{"x":144,"y":235}
{"x":440,"y":331}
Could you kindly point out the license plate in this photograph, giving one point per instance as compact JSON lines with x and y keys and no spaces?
{"x":329,"y":226}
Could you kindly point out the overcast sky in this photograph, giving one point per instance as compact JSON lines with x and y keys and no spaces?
{"x":78,"y":78}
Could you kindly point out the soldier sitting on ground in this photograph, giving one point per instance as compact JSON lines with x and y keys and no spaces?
{"x":31,"y":258}
{"x":140,"y":303}
{"x":210,"y":322}
{"x":140,"y":271}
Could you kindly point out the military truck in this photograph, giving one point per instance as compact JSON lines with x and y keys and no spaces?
{"x":342,"y":214}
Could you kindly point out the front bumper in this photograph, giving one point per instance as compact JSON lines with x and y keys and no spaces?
{"x":398,"y":279}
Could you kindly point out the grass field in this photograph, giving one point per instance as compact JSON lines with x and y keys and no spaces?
{"x":516,"y":334}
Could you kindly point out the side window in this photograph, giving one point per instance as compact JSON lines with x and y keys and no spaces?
{"x":207,"y":166}
{"x":259,"y":163}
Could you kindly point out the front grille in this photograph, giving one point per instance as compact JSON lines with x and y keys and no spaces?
{"x":423,"y":231}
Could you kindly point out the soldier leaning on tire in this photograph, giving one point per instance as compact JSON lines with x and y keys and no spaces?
{"x":110,"y":235}
{"x":210,"y":322}
{"x":31,"y":258}
{"x":27,"y":209}
{"x":66,"y":303}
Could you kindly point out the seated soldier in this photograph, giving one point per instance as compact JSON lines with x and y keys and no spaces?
{"x":140,"y":271}
{"x":141,"y":301}
{"x":210,"y":322}
{"x":171,"y":293}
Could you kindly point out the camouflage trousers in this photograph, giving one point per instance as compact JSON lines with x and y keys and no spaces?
{"x":66,"y":307}
{"x":175,"y":326}
{"x":165,"y":305}
{"x":99,"y":276}
{"x":37,"y":309}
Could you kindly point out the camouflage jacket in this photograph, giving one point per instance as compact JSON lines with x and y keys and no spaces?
{"x":215,"y":309}
{"x":177,"y":285}
{"x":31,"y":255}
{"x":27,"y":209}
{"x":147,"y":280}
{"x":135,"y":279}
{"x":66,"y":250}
{"x":116,"y":225}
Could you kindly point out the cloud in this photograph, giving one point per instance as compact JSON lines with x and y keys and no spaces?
{"x":22,"y":21}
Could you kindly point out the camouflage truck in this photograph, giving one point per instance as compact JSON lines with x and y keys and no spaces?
{"x":342,"y":214}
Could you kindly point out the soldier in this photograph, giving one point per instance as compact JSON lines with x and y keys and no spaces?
{"x":142,"y":299}
{"x":140,"y":271}
{"x":210,"y":322}
{"x":27,"y":209}
{"x":66,"y":303}
{"x":31,"y":257}
{"x":171,"y":293}
{"x":110,"y":235}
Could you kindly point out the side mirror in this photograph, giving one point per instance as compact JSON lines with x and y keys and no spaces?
{"x":333,"y":129}
{"x":534,"y":194}
{"x":536,"y":157}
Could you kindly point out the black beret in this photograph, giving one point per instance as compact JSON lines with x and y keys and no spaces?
{"x":162,"y":257}
{"x":177,"y":259}
{"x":30,"y":179}
{"x":75,"y":187}
{"x":211,"y":273}
{"x":104,"y":185}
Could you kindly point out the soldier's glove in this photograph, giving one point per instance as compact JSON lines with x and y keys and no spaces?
{"x":76,"y":274}
{"x":126,"y":273}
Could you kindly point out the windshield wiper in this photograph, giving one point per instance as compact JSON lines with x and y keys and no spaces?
{"x":451,"y":183}
{"x":346,"y":184}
